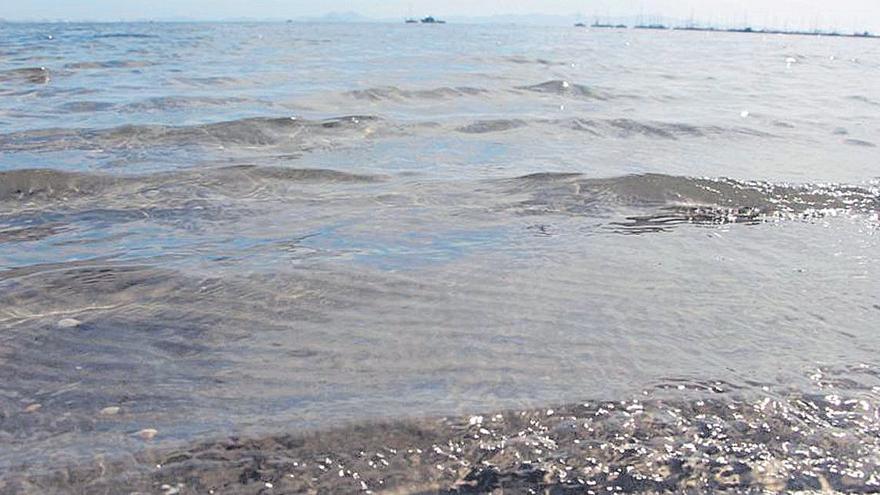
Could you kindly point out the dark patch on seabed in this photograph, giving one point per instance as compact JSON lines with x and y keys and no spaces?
{"x":796,"y":443}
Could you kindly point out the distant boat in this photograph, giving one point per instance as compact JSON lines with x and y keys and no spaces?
{"x":580,"y":25}
{"x":431,"y":20}
{"x":412,"y":21}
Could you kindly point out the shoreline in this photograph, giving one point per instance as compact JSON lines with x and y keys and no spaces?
{"x":646,"y":27}
{"x":746,"y":30}
{"x":801,"y":442}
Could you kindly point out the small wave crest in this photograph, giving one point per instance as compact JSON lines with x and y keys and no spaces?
{"x":125,"y":35}
{"x":110,"y":64}
{"x":865,"y":100}
{"x":860,"y":142}
{"x":520,"y":60}
{"x":258,"y":131}
{"x":615,"y":128}
{"x":269,"y":173}
{"x":656,"y":202}
{"x":32,"y":75}
{"x":565,"y":88}
{"x":393,"y":93}
{"x":157,"y":104}
{"x":33,"y":185}
{"x":45,"y":183}
{"x":487,"y":126}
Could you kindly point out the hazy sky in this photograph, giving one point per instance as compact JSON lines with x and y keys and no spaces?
{"x":842,"y":14}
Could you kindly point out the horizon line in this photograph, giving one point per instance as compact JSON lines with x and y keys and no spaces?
{"x":531,"y":19}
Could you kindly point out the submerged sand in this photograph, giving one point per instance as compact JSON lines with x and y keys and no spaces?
{"x":799,"y":443}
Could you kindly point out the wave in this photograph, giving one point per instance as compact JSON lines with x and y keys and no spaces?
{"x":110,"y":64}
{"x":631,"y":204}
{"x":32,"y":75}
{"x":125,"y":35}
{"x":860,"y":142}
{"x":293,"y":131}
{"x":520,"y":60}
{"x":620,"y":128}
{"x":677,"y":198}
{"x":664,"y":130}
{"x":487,"y":126}
{"x":166,"y":103}
{"x":864,"y":99}
{"x":394,"y":93}
{"x":86,"y":106}
{"x":655,"y":202}
{"x":556,"y":87}
{"x":565,"y":88}
{"x":32,"y":185}
{"x":46,"y":183}
{"x":206,"y":82}
{"x":256,"y":131}
{"x":162,"y":103}
{"x":31,"y":233}
{"x":290,"y":174}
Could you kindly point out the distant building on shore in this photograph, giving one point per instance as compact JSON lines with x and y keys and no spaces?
{"x":792,"y":32}
{"x":651,"y":26}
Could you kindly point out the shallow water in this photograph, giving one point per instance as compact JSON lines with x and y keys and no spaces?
{"x":253,"y":229}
